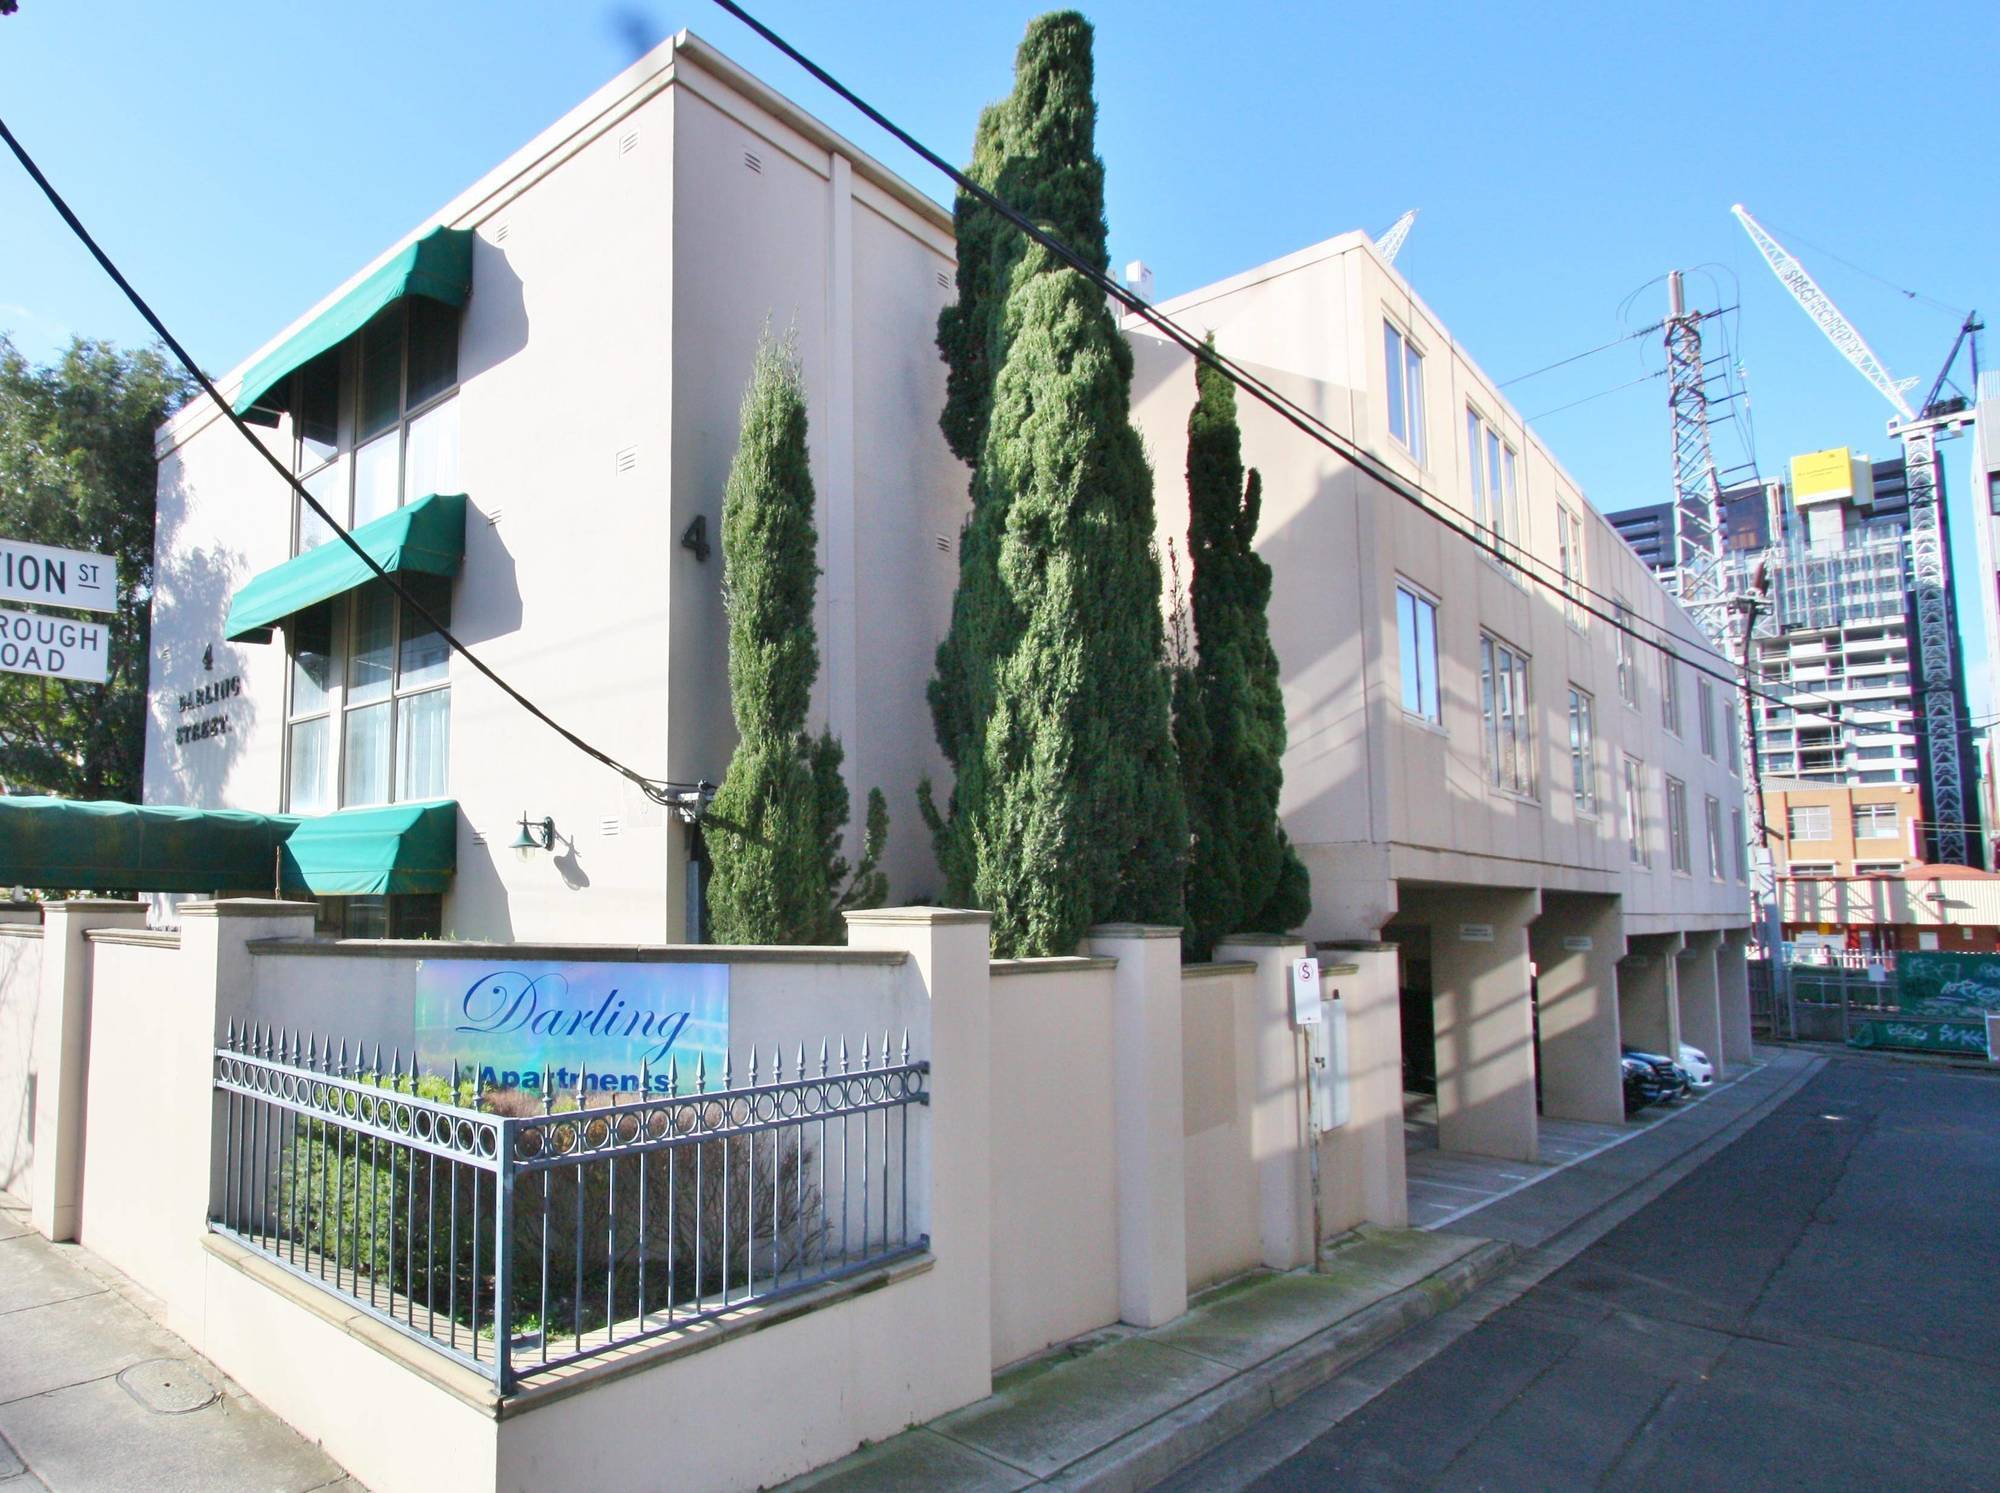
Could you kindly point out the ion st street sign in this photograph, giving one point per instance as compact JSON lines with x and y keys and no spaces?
{"x":54,"y":647}
{"x":48,"y":576}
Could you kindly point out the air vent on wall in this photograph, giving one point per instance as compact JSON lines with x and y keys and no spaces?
{"x":754,"y":161}
{"x":479,"y":837}
{"x":628,"y":142}
{"x":493,"y":518}
{"x":609,"y":826}
{"x":500,"y":234}
{"x":944,"y":544}
{"x":625,"y":460}
{"x":944,"y":280}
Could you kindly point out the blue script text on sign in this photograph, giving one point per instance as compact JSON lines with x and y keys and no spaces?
{"x":586,"y":1025}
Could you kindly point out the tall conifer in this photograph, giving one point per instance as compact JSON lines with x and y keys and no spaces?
{"x":1051,"y":699}
{"x":777,"y":820}
{"x":1243,"y":874}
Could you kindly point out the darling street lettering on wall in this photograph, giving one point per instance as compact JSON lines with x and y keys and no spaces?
{"x":583,"y":1025}
{"x":201,"y":697}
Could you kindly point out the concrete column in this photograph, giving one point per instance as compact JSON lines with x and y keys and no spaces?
{"x":1277,"y":1116}
{"x":1147,"y":1112}
{"x":951,"y":1184}
{"x":1648,"y":1010}
{"x":1701,"y":1016}
{"x":1485,"y":1030}
{"x":1361,"y":1169}
{"x":1732,"y":988}
{"x":1576,"y":944}
{"x":61,"y":1051}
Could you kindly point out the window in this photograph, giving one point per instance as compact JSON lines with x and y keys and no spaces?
{"x":1635,"y":810}
{"x":1670,"y":692}
{"x":1677,"y":826}
{"x":1809,"y":868}
{"x":1416,"y":637}
{"x":1874,"y":821}
{"x":1993,"y":492}
{"x":1503,"y":695}
{"x":1404,"y":368}
{"x":1704,"y":705}
{"x":1878,"y":868}
{"x":1582,"y":751}
{"x":369,"y":665}
{"x":1810,"y":823}
{"x":1713,"y":816}
{"x":1742,"y":843}
{"x":1628,"y":664}
{"x":1496,"y":499}
{"x":375,"y":420}
{"x":399,"y":915}
{"x":1569,"y":561}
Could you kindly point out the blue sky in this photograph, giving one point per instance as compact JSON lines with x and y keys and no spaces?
{"x":239,"y":160}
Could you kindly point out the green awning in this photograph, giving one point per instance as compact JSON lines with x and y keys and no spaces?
{"x":373,"y":852}
{"x":438,"y":266}
{"x":426,"y":536}
{"x":71,"y":844}
{"x":103,"y":846}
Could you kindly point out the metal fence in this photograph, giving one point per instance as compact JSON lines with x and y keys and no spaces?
{"x":518,"y":1230}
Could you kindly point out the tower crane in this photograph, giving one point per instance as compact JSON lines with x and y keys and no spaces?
{"x":1930,"y":550}
{"x":1391,"y":242}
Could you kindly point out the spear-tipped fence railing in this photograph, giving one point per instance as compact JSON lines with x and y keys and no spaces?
{"x":519,"y":1230}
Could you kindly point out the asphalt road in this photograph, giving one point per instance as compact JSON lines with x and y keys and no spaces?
{"x":1818,"y":1306}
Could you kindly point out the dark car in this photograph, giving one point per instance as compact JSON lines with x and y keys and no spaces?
{"x":1667,"y":1083}
{"x":1642,"y":1085}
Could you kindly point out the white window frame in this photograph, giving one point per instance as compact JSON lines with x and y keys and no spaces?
{"x":1797,"y":814}
{"x":1569,"y":561}
{"x":1506,"y":705}
{"x":1583,"y":750}
{"x":1635,"y":812}
{"x":1421,"y":609}
{"x":1875,"y":815}
{"x":1628,"y":661}
{"x":1402,"y":359}
{"x":1494,"y":467}
{"x":1670,"y":692}
{"x":1704,"y":704}
{"x":1740,"y":838}
{"x":1809,"y":870}
{"x":1712,"y":817}
{"x":1679,"y":855}
{"x":1878,"y":868}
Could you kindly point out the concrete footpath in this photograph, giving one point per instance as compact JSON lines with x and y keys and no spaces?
{"x":95,"y":1394}
{"x":1260,"y":1366}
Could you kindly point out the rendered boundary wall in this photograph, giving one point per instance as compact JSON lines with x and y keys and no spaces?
{"x":20,"y":1010}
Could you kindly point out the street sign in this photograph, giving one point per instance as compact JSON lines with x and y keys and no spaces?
{"x":56,"y":577}
{"x":1305,"y":992}
{"x":54,"y":647}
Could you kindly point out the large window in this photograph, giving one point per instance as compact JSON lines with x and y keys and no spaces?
{"x":1582,"y":750}
{"x":1404,"y":369}
{"x":1416,"y":638}
{"x":1874,"y":821}
{"x":1677,"y":826}
{"x":1628,"y":663}
{"x":1635,"y":810}
{"x":1670,"y":692}
{"x":1713,"y":816}
{"x":1504,"y":696}
{"x":1496,"y":498}
{"x":1704,"y":706}
{"x":1569,"y":560}
{"x":1741,"y":841}
{"x":375,"y":420}
{"x":1813,"y":822}
{"x":370,"y":709}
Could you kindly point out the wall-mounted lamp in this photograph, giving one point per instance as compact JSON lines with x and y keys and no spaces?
{"x":534,"y":837}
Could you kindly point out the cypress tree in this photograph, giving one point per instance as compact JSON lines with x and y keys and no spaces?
{"x":1051,"y":701}
{"x":1242,"y":874}
{"x":776,"y":823}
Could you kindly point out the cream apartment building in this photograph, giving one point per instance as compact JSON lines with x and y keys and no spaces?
{"x":1542,"y":813}
{"x":565,"y":344}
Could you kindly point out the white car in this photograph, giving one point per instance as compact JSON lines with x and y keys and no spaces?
{"x":1695,"y":1063}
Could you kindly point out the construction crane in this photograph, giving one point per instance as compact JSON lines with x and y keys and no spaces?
{"x":1392,"y":241}
{"x":1930,"y":549}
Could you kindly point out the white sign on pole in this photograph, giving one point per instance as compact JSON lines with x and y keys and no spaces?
{"x":56,"y":577}
{"x":1305,"y":992}
{"x":54,"y":647}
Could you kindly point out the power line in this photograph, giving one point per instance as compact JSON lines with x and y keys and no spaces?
{"x":1644,"y":378}
{"x":661,"y":790}
{"x":1904,"y":291}
{"x":1579,"y":357}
